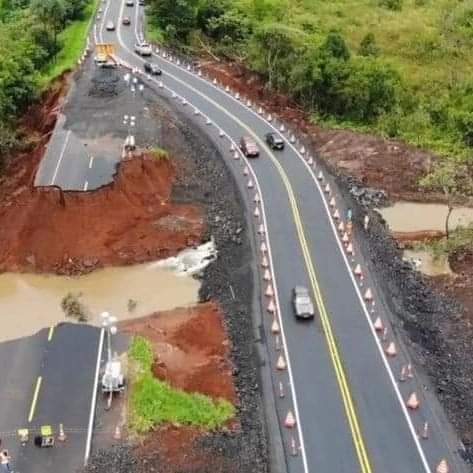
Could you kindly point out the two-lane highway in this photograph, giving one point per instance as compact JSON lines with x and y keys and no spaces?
{"x":349,"y":409}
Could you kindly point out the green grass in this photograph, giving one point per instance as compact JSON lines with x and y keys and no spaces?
{"x":159,"y":153}
{"x":72,"y":39}
{"x":153,"y":402}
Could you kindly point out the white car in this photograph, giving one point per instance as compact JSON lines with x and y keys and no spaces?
{"x":143,"y":49}
{"x":110,"y":26}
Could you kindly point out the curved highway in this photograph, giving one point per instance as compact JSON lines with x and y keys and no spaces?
{"x":350,"y":410}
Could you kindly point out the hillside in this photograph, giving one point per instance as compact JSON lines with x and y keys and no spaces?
{"x":400,"y":68}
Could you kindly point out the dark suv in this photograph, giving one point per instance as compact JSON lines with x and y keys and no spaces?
{"x":152,"y":69}
{"x":274,"y":141}
{"x":249,"y":148}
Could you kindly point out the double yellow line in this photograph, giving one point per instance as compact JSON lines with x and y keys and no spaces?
{"x":333,"y":350}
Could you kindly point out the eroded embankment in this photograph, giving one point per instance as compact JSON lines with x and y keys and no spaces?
{"x":131,"y":220}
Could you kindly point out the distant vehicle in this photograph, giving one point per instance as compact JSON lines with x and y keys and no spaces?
{"x":141,"y":2}
{"x":302,"y":303}
{"x":110,"y":26}
{"x":274,"y":141}
{"x":152,"y":69}
{"x":130,"y":3}
{"x":126,"y":20}
{"x":143,"y":49}
{"x":249,"y":148}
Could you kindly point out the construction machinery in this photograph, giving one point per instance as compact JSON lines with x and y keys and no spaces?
{"x":104,"y":56}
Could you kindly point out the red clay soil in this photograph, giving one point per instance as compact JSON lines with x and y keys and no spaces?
{"x":384,"y":164}
{"x":129,"y":221}
{"x":191,"y":349}
{"x":192,"y":354}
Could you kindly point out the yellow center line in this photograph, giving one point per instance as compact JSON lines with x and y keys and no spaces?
{"x":347,"y":399}
{"x":50,"y":333}
{"x":35,"y":398}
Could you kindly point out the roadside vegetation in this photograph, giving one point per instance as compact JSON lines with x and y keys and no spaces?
{"x":399,"y":68}
{"x":153,"y":401}
{"x":39,"y":40}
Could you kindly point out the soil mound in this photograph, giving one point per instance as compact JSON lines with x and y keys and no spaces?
{"x":128,"y":221}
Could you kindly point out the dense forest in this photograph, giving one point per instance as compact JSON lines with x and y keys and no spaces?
{"x":400,"y":68}
{"x":39,"y":39}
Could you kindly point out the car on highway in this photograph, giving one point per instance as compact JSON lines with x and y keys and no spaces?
{"x":249,"y":148}
{"x":110,"y":26}
{"x":274,"y":141}
{"x":153,"y":69}
{"x":143,"y":49}
{"x":302,"y":303}
{"x":130,"y":3}
{"x":126,"y":20}
{"x":141,"y":2}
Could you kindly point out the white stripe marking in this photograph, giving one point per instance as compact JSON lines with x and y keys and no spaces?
{"x":68,"y":134}
{"x":91,"y":162}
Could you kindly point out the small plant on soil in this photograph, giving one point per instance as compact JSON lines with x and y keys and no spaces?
{"x":153,"y":401}
{"x":73,"y":307}
{"x":159,"y":153}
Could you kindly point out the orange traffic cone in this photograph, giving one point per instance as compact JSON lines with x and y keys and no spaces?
{"x":320,"y":176}
{"x":256,"y":213}
{"x":336,"y":214}
{"x":341,"y":226}
{"x":290,"y":420}
{"x":442,"y":467}
{"x":413,"y":403}
{"x":250,"y":184}
{"x":281,"y":363}
{"x":345,"y":238}
{"x":332,"y":202}
{"x":62,"y":436}
{"x":327,"y":189}
{"x":256,"y":198}
{"x":271,"y":307}
{"x":267,"y":275}
{"x":264,"y":262}
{"x":357,"y":270}
{"x":275,"y":326}
{"x":391,"y":349}
{"x":350,"y":249}
{"x":269,"y":291}
{"x":261,"y":229}
{"x":263,"y":247}
{"x":246,"y":171}
{"x":378,"y":325}
{"x":368,"y":295}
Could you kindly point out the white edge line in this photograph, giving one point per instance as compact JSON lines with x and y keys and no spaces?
{"x":370,"y":323}
{"x":63,"y":150}
{"x":291,"y":379}
{"x":91,"y":162}
{"x":86,"y":185}
{"x":88,"y":442}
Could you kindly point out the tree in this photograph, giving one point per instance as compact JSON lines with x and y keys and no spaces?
{"x":368,"y":46}
{"x":335,"y":46}
{"x":51,"y":13}
{"x":181,"y":15}
{"x":453,"y":179}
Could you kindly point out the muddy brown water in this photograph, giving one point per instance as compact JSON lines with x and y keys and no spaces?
{"x":30,"y":302}
{"x":428,"y":264}
{"x":412,"y":216}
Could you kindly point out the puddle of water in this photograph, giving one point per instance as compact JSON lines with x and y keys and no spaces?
{"x":412,"y":216}
{"x":30,"y":302}
{"x":425,"y":263}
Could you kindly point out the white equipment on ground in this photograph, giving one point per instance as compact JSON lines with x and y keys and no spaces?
{"x":113,"y":380}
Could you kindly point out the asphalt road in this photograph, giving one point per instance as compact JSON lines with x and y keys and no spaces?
{"x":64,"y":359}
{"x":351,"y":415}
{"x":349,"y":407}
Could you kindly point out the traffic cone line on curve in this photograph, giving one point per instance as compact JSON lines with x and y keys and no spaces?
{"x":275,"y":327}
{"x":271,"y":307}
{"x":281,"y":363}
{"x":350,"y":249}
{"x":341,"y":226}
{"x":290,"y":420}
{"x":327,"y":189}
{"x":256,"y":198}
{"x":413,"y":402}
{"x":263,"y":247}
{"x":442,"y":467}
{"x":256,"y":213}
{"x":320,"y":176}
{"x":336,"y":214}
{"x":250,"y":184}
{"x":267,"y":275}
{"x":368,"y":295}
{"x":332,"y":202}
{"x":264,"y":262}
{"x":261,"y":229}
{"x":236,"y":155}
{"x":345,"y":238}
{"x":246,"y":171}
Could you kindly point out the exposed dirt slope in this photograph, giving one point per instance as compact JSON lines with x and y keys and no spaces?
{"x":128,"y":221}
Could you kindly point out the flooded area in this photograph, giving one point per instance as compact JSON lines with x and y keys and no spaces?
{"x":30,"y":302}
{"x":425,"y":262}
{"x":413,"y":217}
